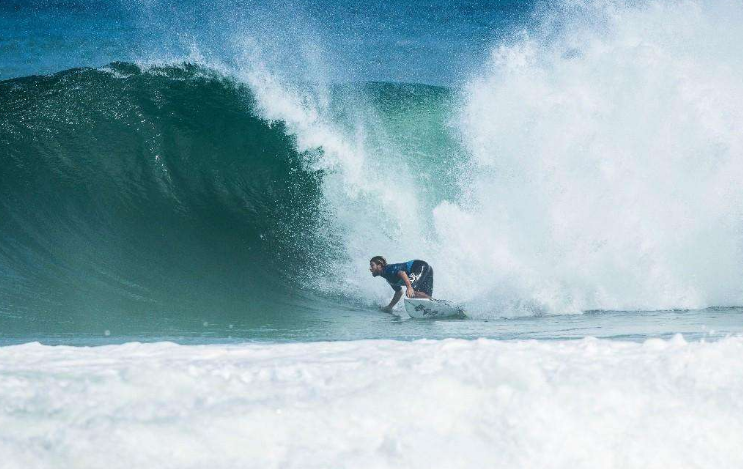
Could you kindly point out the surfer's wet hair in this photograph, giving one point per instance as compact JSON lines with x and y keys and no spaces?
{"x":379,"y":260}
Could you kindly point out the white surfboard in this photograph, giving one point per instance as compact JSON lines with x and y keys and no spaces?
{"x":420,"y":308}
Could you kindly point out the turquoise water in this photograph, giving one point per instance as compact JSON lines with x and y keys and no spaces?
{"x":343,"y":324}
{"x":201,"y":174}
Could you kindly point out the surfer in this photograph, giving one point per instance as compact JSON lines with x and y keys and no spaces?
{"x":415,"y":275}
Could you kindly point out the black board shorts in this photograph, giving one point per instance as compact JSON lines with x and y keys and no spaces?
{"x":421,"y":277}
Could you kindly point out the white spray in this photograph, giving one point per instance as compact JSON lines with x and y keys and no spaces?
{"x":607,"y":155}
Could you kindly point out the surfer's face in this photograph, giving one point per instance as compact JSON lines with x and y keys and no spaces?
{"x":375,"y":269}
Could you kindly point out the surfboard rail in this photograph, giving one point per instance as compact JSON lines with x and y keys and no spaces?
{"x":422,"y":308}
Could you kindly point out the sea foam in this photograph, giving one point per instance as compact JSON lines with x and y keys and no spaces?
{"x":451,"y":403}
{"x":606,"y":149}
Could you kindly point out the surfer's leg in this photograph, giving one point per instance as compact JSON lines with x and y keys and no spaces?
{"x":423,"y":285}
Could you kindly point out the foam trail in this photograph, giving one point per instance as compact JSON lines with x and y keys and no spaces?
{"x":451,"y":403}
{"x":607,"y":151}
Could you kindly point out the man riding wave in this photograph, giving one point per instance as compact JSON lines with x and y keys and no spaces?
{"x":415,"y":275}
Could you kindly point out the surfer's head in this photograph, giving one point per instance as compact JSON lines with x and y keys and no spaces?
{"x":377,"y":265}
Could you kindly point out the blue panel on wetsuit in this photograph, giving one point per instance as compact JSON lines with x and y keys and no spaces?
{"x":391,"y":271}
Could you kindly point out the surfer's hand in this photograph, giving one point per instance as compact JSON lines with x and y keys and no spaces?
{"x":411,"y":292}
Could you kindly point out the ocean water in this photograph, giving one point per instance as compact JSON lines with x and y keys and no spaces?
{"x":190,"y":193}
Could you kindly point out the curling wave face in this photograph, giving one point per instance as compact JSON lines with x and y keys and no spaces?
{"x":127,"y":192}
{"x":159,"y":198}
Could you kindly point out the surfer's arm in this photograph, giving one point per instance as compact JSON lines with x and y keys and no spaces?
{"x":393,"y":302}
{"x":404,"y":277}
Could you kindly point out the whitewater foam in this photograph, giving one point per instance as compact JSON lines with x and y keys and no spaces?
{"x":451,"y":403}
{"x":606,"y":151}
